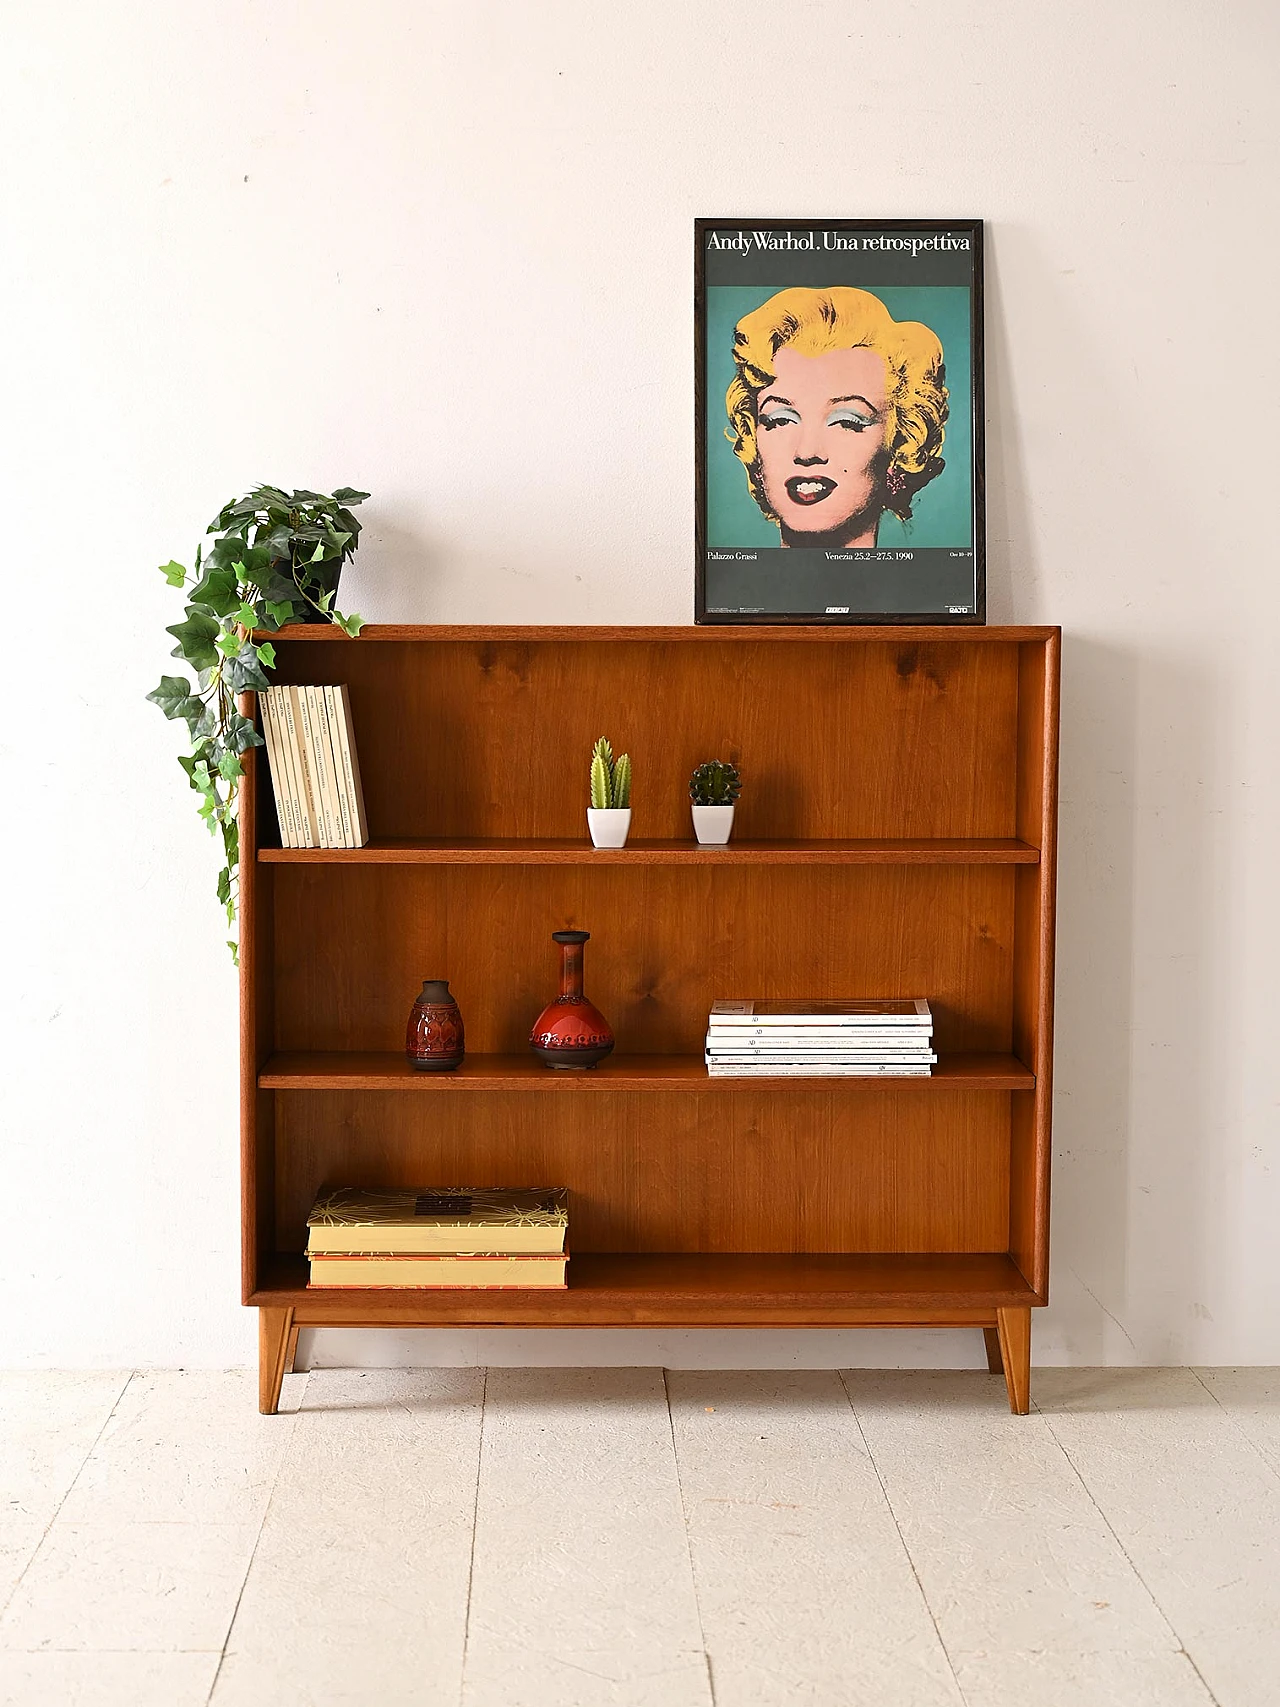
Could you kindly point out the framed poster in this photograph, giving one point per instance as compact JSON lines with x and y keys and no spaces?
{"x":840,"y":413}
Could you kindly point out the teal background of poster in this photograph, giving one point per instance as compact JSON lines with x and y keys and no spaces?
{"x":943,"y":512}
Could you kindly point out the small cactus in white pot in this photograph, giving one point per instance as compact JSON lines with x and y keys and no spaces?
{"x":609,"y":814}
{"x":713,"y":789}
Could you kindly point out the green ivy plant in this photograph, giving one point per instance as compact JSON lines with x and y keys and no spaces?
{"x":276,"y":560}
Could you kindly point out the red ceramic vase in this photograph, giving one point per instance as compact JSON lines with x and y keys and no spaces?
{"x":434,"y":1039}
{"x":570,"y":1032}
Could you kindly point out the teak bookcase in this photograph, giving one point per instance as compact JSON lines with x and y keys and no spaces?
{"x":895,"y":837}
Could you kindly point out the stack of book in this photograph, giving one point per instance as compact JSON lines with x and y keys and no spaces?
{"x":315,"y":774}
{"x":449,"y":1236}
{"x":828,"y":1040}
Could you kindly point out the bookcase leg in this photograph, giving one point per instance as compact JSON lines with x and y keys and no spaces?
{"x":995,"y":1363}
{"x":274,"y":1329}
{"x":1013,"y":1326}
{"x":291,"y":1356}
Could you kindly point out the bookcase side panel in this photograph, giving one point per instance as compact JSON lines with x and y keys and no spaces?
{"x":257,"y":1029}
{"x":1033,"y":960}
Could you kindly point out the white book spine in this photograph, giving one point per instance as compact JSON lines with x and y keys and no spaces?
{"x":316,"y":728}
{"x":284,"y":736}
{"x":781,"y":1072}
{"x":302,"y":765}
{"x":333,"y":722}
{"x":351,"y":766}
{"x":275,"y":763}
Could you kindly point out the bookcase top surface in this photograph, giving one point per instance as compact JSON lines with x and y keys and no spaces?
{"x":709,"y":634}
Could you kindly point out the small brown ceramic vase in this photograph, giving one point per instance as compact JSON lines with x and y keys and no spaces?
{"x":434,"y":1039}
{"x":570,"y":1032}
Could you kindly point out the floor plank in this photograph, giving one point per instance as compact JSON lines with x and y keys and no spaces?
{"x":1101,"y":1679}
{"x":1251,"y":1398}
{"x":106,"y":1680}
{"x":358,"y":1588}
{"x":49,"y":1420}
{"x":582,"y":1594}
{"x":1011,"y":1552}
{"x":1195,"y":1506}
{"x":805,"y":1589}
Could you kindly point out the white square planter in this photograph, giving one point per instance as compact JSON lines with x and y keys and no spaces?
{"x":609,"y":825}
{"x":712,"y":824}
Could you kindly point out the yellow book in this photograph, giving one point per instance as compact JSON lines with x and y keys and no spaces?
{"x":437,"y":1272}
{"x":440,"y":1220}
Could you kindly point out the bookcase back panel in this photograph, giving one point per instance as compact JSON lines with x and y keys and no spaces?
{"x":353,"y":945}
{"x":800,"y":1171}
{"x":492,"y":738}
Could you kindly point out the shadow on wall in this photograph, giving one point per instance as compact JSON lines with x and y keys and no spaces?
{"x":395,"y":575}
{"x":1132,"y":1115}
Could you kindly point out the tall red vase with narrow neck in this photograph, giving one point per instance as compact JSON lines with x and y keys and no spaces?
{"x":571,"y":1032}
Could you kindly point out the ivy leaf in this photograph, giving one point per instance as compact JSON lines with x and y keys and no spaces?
{"x":348,"y":495}
{"x":229,"y":644}
{"x":246,"y":616}
{"x":267,"y":654}
{"x":173,"y":573}
{"x":244,"y":671}
{"x":195,"y":639}
{"x":229,"y":767}
{"x":218,"y":590}
{"x":280,"y":614}
{"x":240,"y":733}
{"x":350,"y":625}
{"x":224,"y":886}
{"x":172,"y":694}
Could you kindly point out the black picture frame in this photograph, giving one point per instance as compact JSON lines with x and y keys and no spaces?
{"x":868,"y":577}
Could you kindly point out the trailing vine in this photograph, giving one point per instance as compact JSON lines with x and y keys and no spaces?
{"x":276,"y":561}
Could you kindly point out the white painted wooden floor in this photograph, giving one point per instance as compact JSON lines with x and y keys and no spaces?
{"x":617,"y":1538}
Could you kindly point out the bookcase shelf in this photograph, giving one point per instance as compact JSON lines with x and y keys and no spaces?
{"x":674,"y":1289}
{"x":371,"y":1071}
{"x":895,"y":837}
{"x":973,"y":850}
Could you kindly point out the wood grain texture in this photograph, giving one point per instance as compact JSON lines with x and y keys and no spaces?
{"x":257,"y":1027}
{"x":510,"y":851}
{"x":418,"y":633}
{"x":1035,"y":906}
{"x":895,"y":837}
{"x":341,"y":1071}
{"x":275,"y":1324}
{"x":352,"y":947}
{"x":811,"y":1170}
{"x":1013,"y":1328}
{"x":630,"y":1290}
{"x":491,"y":738}
{"x":991,"y":1344}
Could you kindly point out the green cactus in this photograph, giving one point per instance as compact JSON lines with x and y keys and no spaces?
{"x":715,"y":783}
{"x":600,"y":781}
{"x":610,"y":778}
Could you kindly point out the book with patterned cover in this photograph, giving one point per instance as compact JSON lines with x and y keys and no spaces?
{"x":440,"y":1220}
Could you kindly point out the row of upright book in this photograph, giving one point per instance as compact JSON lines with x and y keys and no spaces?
{"x":820,"y":1040}
{"x":439,"y":1237}
{"x":315,"y":773}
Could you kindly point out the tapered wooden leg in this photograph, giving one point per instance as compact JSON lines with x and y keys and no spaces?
{"x":291,"y":1356}
{"x":1013,"y":1324}
{"x":995,"y":1363}
{"x":274,"y":1327}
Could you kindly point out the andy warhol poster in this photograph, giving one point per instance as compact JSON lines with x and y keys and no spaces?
{"x":840,"y":416}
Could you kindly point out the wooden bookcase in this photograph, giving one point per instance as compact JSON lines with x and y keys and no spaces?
{"x":895,"y":837}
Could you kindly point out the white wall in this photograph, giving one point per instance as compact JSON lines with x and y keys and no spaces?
{"x":444,"y":252}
